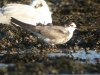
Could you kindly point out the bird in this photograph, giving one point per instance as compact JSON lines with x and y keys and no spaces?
{"x":37,"y":12}
{"x":51,"y":35}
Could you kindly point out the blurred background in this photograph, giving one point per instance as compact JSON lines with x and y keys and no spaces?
{"x":21,"y":53}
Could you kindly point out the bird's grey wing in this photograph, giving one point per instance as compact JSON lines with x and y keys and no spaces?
{"x":49,"y":32}
{"x":53,"y":36}
{"x":36,"y":32}
{"x":59,"y":29}
{"x":22,"y":24}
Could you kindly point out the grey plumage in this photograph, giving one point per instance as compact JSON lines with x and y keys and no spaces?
{"x":49,"y":34}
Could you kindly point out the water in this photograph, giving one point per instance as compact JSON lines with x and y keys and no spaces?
{"x":90,"y":57}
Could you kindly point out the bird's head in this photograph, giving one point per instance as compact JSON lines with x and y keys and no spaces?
{"x":71,"y":27}
{"x":39,"y":3}
{"x":42,"y":9}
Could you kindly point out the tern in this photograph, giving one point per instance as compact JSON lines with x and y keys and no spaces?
{"x":37,"y":12}
{"x":52,"y":35}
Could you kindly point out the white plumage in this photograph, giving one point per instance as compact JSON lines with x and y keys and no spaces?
{"x":37,"y":12}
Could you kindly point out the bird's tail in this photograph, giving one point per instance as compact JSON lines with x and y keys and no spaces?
{"x":3,"y":18}
{"x":22,"y":24}
{"x":29,"y":27}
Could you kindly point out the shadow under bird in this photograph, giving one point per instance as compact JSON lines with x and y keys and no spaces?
{"x":52,"y":35}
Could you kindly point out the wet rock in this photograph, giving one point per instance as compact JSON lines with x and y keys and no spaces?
{"x":19,"y":46}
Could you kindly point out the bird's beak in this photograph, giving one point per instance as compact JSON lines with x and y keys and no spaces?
{"x":75,"y":27}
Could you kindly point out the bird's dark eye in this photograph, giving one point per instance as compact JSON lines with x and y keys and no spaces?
{"x":35,"y":6}
{"x":38,"y":5}
{"x":71,"y":25}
